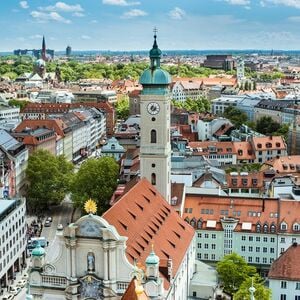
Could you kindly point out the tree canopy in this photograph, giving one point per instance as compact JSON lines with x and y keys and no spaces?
{"x":266,"y":125}
{"x":199,"y":105}
{"x":48,"y":178}
{"x":233,"y":270}
{"x":96,"y":179}
{"x":122,"y":108}
{"x":235,"y":115}
{"x":261,"y":292}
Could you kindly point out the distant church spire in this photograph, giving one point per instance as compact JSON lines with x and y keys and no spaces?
{"x":44,"y":49}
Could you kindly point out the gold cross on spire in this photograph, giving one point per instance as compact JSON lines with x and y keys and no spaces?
{"x":155,"y":31}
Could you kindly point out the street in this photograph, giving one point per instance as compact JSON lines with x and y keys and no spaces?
{"x":60,"y":215}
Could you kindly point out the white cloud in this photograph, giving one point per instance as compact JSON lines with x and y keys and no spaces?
{"x":24,"y":4}
{"x":45,"y":17}
{"x":120,"y":2}
{"x":62,"y":6}
{"x":94,"y":22}
{"x":134,"y":13}
{"x":238,"y":2}
{"x":78,"y":14}
{"x":36,"y":36}
{"x":177,"y":13}
{"x":85,"y":37}
{"x":290,"y":3}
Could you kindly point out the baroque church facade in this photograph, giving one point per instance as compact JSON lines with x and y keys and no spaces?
{"x":97,"y":257}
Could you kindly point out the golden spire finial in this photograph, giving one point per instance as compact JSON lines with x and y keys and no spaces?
{"x":90,"y":206}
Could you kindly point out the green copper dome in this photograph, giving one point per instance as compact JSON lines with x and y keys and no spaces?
{"x":152,"y":259}
{"x":38,"y":251}
{"x":155,"y":75}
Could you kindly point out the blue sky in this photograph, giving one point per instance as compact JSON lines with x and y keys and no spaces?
{"x":128,"y":24}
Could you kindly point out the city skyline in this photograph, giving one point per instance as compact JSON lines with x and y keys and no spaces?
{"x":127,"y":24}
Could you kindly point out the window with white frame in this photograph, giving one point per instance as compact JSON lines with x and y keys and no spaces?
{"x":283,"y":284}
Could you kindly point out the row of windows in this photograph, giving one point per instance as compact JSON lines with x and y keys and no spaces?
{"x":283,"y":285}
{"x":206,"y":246}
{"x":257,"y":249}
{"x":258,"y":239}
{"x":207,"y":235}
{"x":206,"y":256}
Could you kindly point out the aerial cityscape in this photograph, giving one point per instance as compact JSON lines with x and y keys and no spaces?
{"x":150,"y":150}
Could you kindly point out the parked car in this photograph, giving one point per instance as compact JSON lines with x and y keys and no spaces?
{"x":60,"y":227}
{"x":47,"y":223}
{"x":14,"y":290}
{"x":21,"y":283}
{"x":49,"y":219}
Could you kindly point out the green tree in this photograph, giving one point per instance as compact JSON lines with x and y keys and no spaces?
{"x":122,"y":108}
{"x":96,"y":179}
{"x":246,"y":86}
{"x":254,"y":85}
{"x":48,"y":178}
{"x":233,"y":270}
{"x":266,"y":125}
{"x":235,"y":115}
{"x":18,"y":103}
{"x":261,"y":293}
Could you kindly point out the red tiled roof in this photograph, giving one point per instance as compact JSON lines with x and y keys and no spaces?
{"x":216,"y":204}
{"x":268,"y":143}
{"x":287,"y":266}
{"x":284,"y":164}
{"x":145,"y":217}
{"x":246,"y":180}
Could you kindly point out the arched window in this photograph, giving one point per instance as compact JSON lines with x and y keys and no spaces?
{"x":153,"y":179}
{"x":266,"y":227}
{"x":153,"y":136}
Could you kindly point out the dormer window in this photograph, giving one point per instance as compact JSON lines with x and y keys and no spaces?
{"x":187,"y":220}
{"x":283,"y":226}
{"x":296,"y":227}
{"x":254,"y":182}
{"x":259,"y":145}
{"x":240,"y":152}
{"x":199,"y":224}
{"x":193,"y":222}
{"x":266,"y":228}
{"x":273,"y":228}
{"x":285,"y":166}
{"x":268,"y":145}
{"x":278,"y":145}
{"x":258,"y":227}
{"x":234,"y":181}
{"x":244,"y":181}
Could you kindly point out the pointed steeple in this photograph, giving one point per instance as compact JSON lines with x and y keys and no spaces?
{"x":155,"y":53}
{"x":44,"y":49}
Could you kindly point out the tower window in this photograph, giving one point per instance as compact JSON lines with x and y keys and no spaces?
{"x":153,"y":165}
{"x":153,"y":136}
{"x":153,"y":179}
{"x":153,"y":119}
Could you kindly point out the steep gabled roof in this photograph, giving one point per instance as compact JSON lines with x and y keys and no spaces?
{"x":145,"y":217}
{"x":287,"y":266}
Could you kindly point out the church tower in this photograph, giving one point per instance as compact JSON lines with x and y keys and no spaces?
{"x":155,"y":151}
{"x":43,"y":52}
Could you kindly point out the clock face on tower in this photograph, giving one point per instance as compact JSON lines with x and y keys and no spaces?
{"x":153,"y":108}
